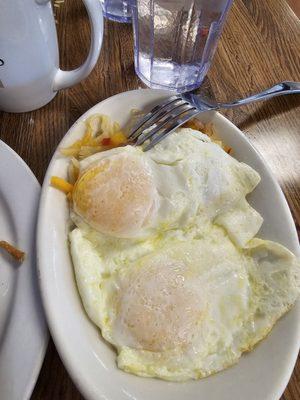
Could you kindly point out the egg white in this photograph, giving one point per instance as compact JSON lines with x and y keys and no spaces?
{"x":194,"y":179}
{"x":231,"y":288}
{"x":242,"y":292}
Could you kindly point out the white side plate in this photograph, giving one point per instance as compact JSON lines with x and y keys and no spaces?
{"x":23,"y":330}
{"x":260,"y":375}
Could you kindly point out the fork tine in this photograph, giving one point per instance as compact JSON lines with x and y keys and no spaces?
{"x":151,"y":114}
{"x":157,"y":117}
{"x":164,"y":119}
{"x":160,"y":136}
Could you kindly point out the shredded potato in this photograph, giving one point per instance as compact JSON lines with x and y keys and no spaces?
{"x":13,"y":251}
{"x":103,"y":134}
{"x":100,"y":134}
{"x":195,"y":124}
{"x":118,"y":138}
{"x":61,"y":184}
{"x":73,"y":170}
{"x":209,"y":130}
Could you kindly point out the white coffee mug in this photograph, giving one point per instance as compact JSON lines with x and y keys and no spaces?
{"x":29,"y":60}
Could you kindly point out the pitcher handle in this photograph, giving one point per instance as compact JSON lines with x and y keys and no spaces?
{"x":65,"y":79}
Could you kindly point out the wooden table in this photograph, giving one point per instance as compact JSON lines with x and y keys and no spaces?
{"x":260,"y":46}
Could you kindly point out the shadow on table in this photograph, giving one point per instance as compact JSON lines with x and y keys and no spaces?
{"x":270,"y":108}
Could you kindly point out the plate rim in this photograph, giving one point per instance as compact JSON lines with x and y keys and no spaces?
{"x":35,"y":190}
{"x":79,"y":381}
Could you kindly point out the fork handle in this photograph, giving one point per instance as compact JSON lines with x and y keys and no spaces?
{"x":277,"y":90}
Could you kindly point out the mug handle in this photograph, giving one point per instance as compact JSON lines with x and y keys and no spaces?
{"x":65,"y":79}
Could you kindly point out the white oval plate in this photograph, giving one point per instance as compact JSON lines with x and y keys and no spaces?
{"x":261,"y":375}
{"x":23,"y":330}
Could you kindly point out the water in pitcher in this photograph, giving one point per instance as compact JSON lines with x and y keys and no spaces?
{"x":176,"y":40}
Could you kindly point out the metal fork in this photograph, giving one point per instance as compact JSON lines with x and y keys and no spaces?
{"x":178,"y":109}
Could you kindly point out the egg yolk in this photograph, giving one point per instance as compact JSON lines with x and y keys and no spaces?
{"x":159,"y":309}
{"x":117,"y":196}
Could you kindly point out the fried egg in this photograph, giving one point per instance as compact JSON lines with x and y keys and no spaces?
{"x":165,"y":258}
{"x":126,"y":193}
{"x":189,"y":308}
{"x":117,"y":194}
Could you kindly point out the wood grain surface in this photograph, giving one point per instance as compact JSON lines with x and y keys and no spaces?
{"x":260,"y":46}
{"x":295,"y":6}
